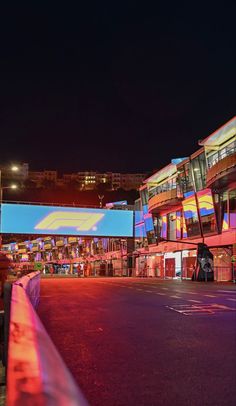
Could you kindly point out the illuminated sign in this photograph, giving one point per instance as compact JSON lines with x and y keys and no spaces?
{"x":33,"y":219}
{"x":22,"y":249}
{"x":35,"y":246}
{"x":72,"y":240}
{"x":47,"y":246}
{"x":60,"y":243}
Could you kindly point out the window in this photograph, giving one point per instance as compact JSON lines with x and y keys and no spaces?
{"x":232,"y":208}
{"x":199,"y":171}
{"x":191,"y":217}
{"x":207,"y":211}
{"x":171,"y":219}
{"x":164,"y":226}
{"x":185,"y":178}
{"x":144,"y":197}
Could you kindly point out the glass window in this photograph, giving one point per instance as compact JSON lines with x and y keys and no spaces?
{"x":191,"y":217}
{"x":231,"y":148}
{"x":207,"y":211}
{"x":199,"y":171}
{"x":188,"y":176}
{"x":171,"y":218}
{"x":185,"y":178}
{"x":212,"y":160}
{"x":164,"y":226}
{"x":157,"y":222}
{"x":144,"y":196}
{"x":224,"y":211}
{"x":232,"y":208}
{"x":178,"y":224}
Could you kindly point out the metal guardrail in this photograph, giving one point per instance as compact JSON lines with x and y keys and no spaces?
{"x":36,"y":373}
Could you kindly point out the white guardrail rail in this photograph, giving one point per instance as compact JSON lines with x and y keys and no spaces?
{"x":36,"y":373}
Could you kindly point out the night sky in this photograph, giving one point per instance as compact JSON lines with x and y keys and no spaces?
{"x":113,"y":85}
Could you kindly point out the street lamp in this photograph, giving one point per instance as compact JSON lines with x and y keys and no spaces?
{"x":14,"y":168}
{"x":6,"y":187}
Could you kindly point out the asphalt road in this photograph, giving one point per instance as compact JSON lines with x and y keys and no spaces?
{"x":145,"y":342}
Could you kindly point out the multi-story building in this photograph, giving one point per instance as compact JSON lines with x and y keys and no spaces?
{"x":43,"y":178}
{"x":130,"y":181}
{"x":192,"y":200}
{"x":88,"y":180}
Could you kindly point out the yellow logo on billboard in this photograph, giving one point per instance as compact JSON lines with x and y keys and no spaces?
{"x":82,"y":221}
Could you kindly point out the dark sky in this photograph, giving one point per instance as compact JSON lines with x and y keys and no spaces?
{"x":113,"y":85}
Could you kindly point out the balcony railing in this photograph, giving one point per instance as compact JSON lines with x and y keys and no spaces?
{"x":222,"y":154}
{"x":160,"y":189}
{"x":163,"y":200}
{"x":221,"y":169}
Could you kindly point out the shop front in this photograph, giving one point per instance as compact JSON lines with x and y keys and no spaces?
{"x":173,"y":265}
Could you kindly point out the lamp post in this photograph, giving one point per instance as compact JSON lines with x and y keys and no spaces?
{"x":6,"y":187}
{"x":14,"y":168}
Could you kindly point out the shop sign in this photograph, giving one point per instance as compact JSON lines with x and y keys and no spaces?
{"x":59,"y":243}
{"x":47,"y":246}
{"x":72,"y":240}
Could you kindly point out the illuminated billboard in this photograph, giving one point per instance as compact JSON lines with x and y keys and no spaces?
{"x":52,"y":220}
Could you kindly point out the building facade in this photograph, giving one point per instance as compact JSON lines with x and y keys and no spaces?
{"x":88,"y":180}
{"x":191,"y":200}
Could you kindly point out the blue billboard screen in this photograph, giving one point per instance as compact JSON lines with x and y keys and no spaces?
{"x":54,"y":220}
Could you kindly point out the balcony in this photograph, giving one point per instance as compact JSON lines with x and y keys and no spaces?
{"x":164,"y":201}
{"x":223,"y":172}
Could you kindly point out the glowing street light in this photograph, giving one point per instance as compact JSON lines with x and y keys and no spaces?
{"x":13,"y":186}
{"x":13,"y":168}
